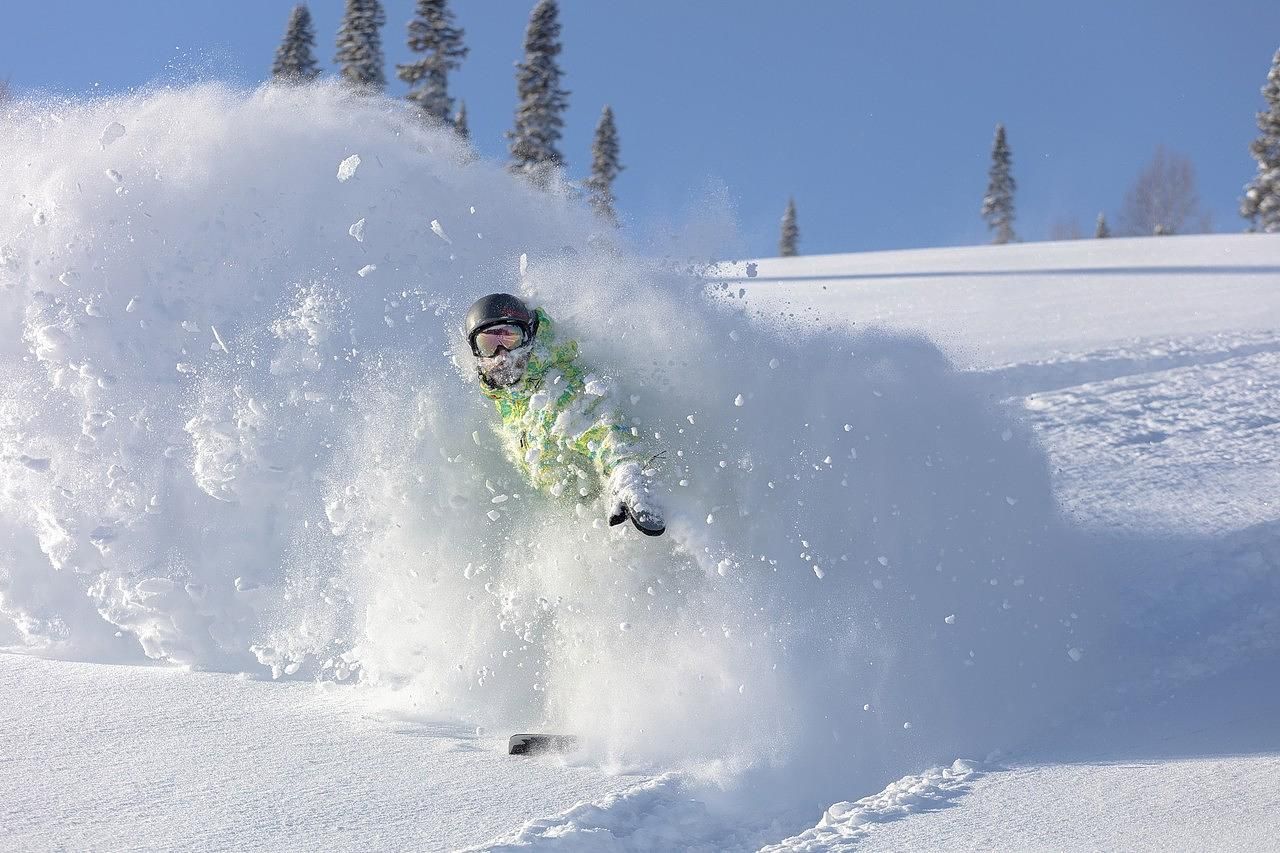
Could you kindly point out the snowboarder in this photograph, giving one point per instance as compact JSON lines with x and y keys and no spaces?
{"x":560,"y":424}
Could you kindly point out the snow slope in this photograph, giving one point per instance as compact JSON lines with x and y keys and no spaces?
{"x":238,"y":434}
{"x":101,"y":756}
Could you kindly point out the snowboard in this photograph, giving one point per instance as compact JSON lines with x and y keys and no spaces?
{"x":539,"y":744}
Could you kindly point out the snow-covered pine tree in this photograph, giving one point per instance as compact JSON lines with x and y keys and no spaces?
{"x":295,"y":62}
{"x":540,"y":111}
{"x":433,"y":34}
{"x":1102,"y":230}
{"x":1261,"y":203}
{"x":359,"y":54}
{"x":997,"y":205}
{"x":789,"y":243}
{"x":605,"y":166}
{"x":460,"y":121}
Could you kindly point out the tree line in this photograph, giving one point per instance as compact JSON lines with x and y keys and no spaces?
{"x":437,"y":43}
{"x":1162,"y":200}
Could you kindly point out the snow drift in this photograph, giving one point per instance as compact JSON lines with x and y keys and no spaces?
{"x":237,"y":431}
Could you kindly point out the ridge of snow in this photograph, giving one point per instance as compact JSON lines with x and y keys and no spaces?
{"x":843,"y":825}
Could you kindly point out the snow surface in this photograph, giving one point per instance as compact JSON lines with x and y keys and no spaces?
{"x":109,"y":757}
{"x":922,"y":507}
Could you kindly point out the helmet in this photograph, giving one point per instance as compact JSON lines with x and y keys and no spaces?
{"x":500,"y":308}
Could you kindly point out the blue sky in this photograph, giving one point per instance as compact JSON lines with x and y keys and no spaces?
{"x":876,"y":114}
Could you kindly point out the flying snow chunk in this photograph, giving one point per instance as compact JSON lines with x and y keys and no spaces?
{"x":357,"y":230}
{"x":950,"y":620}
{"x":111,"y":133}
{"x":1075,"y":654}
{"x":114,"y":176}
{"x":624,"y":626}
{"x":817,"y":570}
{"x":494,"y":515}
{"x":739,"y":400}
{"x":438,"y":230}
{"x":347,"y":168}
{"x":366,"y":269}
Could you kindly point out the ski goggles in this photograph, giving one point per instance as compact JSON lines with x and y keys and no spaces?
{"x":486,"y":342}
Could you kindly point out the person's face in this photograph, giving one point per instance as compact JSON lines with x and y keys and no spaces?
{"x":502,"y":353}
{"x":504,"y":368}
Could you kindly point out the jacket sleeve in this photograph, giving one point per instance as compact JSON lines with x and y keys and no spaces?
{"x":608,"y":439}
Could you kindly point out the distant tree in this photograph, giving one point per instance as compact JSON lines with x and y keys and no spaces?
{"x":1163,"y":199}
{"x":359,"y":54}
{"x":433,"y":34}
{"x":1261,"y":203}
{"x":540,"y":111}
{"x":997,"y":204}
{"x":295,"y":62}
{"x":460,"y":121}
{"x":789,"y":243}
{"x":1102,"y":230}
{"x":1065,"y":229}
{"x":605,"y":167}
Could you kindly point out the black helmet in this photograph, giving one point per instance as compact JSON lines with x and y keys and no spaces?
{"x":500,"y":308}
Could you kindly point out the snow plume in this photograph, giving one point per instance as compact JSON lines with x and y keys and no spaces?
{"x":234,"y":437}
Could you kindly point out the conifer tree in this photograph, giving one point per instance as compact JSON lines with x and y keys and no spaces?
{"x":460,"y":121}
{"x":359,"y":54}
{"x":605,"y":167}
{"x":295,"y":62}
{"x":1103,"y":230}
{"x":540,"y":111}
{"x":433,"y":34}
{"x":789,"y":244}
{"x":1261,"y":203}
{"x":997,"y":205}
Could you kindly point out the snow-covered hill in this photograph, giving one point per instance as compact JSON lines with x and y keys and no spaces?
{"x":1004,"y":512}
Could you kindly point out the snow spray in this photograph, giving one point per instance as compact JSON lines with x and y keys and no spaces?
{"x":239,"y":430}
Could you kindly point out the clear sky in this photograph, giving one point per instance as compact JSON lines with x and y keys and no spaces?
{"x":876,"y":114}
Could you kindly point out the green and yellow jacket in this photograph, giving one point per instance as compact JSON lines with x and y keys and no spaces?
{"x":561,"y":425}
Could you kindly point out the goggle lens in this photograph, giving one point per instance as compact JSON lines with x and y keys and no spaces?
{"x":507,"y":336}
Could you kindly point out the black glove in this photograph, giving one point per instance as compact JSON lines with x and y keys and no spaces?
{"x":629,"y":497}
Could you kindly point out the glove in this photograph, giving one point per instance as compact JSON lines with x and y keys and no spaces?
{"x":629,"y":498}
